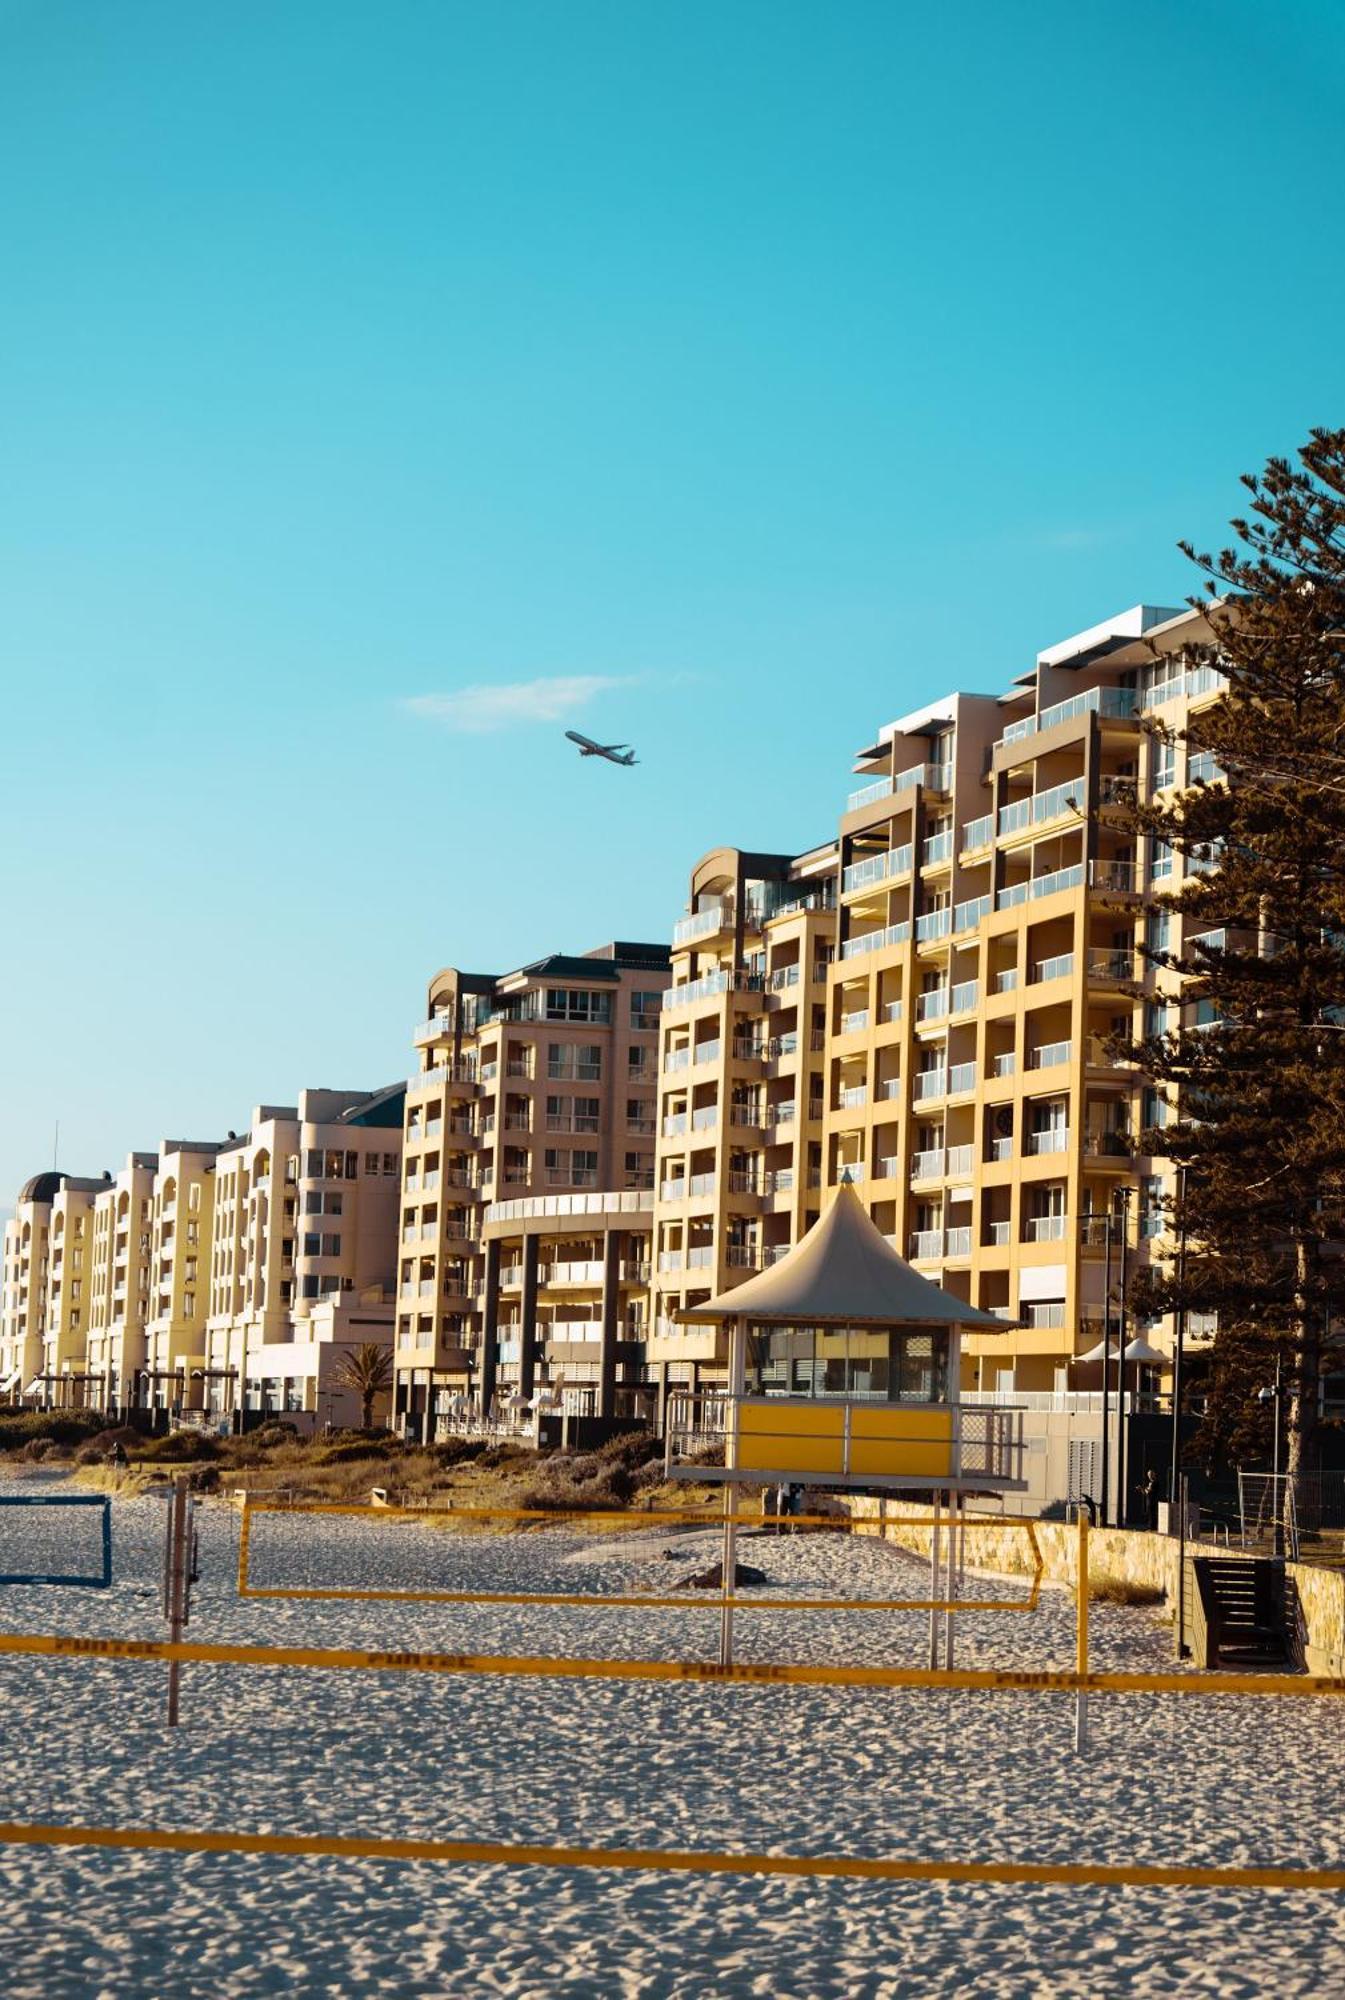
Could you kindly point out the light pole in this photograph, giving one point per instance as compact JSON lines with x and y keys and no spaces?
{"x":1106,"y":1368}
{"x":1273,"y":1395}
{"x":1122,"y":1512}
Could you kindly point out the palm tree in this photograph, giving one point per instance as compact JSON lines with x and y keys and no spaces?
{"x":368,"y":1371}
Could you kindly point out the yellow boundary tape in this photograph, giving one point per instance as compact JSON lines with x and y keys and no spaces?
{"x":61,"y":1645}
{"x":488,"y":1853}
{"x":611,"y":1600}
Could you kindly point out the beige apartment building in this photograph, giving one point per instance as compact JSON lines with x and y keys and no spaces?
{"x":742,"y":1063}
{"x":528,"y":1187}
{"x":115,"y":1351}
{"x":23,"y":1301}
{"x":303,"y":1254}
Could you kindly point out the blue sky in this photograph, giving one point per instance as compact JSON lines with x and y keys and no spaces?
{"x":754,"y":371}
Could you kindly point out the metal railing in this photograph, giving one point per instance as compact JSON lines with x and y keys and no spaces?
{"x":890,"y":934}
{"x":979,"y":832}
{"x":876,"y":868}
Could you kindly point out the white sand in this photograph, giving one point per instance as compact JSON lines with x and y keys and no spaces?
{"x":594,"y":1762}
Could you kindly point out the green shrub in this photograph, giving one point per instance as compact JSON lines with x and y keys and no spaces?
{"x":180,"y":1447}
{"x":67,"y":1427}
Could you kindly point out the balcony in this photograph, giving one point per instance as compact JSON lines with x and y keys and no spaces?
{"x":1059,"y":967}
{"x":742,"y":1257}
{"x":701,"y":1257}
{"x":676,"y":1059}
{"x":710,"y":985}
{"x":1046,"y":1228}
{"x":1000,"y":1150}
{"x":1111,"y":704}
{"x":1052,"y":1139}
{"x":934,"y":924}
{"x":960,"y":1160}
{"x":927,"y":1166}
{"x":670,"y":1260}
{"x":587,"y":1271}
{"x":1049,"y":1055}
{"x":891,"y":934}
{"x":782,"y":978}
{"x":856,"y":1023}
{"x":978,"y":832}
{"x":1013,"y":818}
{"x":1006,"y":981}
{"x":998,"y":1234}
{"x":705,"y":1118}
{"x":1111,"y":968}
{"x":957,"y":1242}
{"x":1114,"y":878}
{"x":965,"y":996}
{"x":889,"y":1087}
{"x":782,"y":1114}
{"x":925,"y":1245}
{"x":675,"y":1125}
{"x":930,"y":1083}
{"x":876,"y":868}
{"x":432,"y":1030}
{"x":703,"y":923}
{"x":961,"y":1078}
{"x":938,"y":848}
{"x":852,"y":1096}
{"x":708,"y":1052}
{"x":933,"y":1005}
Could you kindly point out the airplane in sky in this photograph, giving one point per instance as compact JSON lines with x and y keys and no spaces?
{"x":588,"y":748}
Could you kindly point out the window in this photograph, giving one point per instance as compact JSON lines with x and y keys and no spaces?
{"x":371,"y":1160}
{"x":331,"y":1204}
{"x":1160,"y":860}
{"x":1151,"y":1206}
{"x":1158,"y":930}
{"x":312,"y":1246}
{"x":1164,"y":764}
{"x":331,"y":1246}
{"x":1155,"y":1111}
{"x":389,"y":1163}
{"x":313,"y":1202}
{"x":310,"y":1287}
{"x":577,"y":1003}
{"x":645,"y":1009}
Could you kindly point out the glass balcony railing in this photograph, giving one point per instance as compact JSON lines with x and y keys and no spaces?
{"x":939,"y":847}
{"x":965,"y":996}
{"x":979,"y":832}
{"x":967,"y":915}
{"x":932,"y":1006}
{"x":891,"y":934}
{"x":876,"y":868}
{"x":934,"y":924}
{"x":1049,"y":1055}
{"x":702,"y":923}
{"x":1059,"y":967}
{"x":961,"y":1077}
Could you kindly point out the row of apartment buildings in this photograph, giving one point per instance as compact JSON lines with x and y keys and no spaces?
{"x":921,"y":1004}
{"x":212,"y":1275}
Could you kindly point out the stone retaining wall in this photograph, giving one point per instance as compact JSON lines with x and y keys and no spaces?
{"x":1124,"y":1555}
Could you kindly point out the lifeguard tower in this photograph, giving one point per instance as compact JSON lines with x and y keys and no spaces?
{"x":844,"y":1366}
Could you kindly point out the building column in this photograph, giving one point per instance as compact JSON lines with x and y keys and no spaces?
{"x":527,"y":1332}
{"x":490,"y":1325}
{"x":612,"y":1245}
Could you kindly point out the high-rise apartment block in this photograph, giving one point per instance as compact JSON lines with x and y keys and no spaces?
{"x":527,"y":1198}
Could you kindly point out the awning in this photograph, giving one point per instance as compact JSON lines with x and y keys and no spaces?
{"x":844,"y":1272}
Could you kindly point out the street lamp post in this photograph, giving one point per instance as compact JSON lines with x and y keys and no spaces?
{"x":1122,"y":1512}
{"x":1106,"y":1368}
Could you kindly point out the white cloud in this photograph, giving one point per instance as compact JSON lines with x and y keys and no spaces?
{"x":488,"y":706}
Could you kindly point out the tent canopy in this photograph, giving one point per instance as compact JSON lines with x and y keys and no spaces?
{"x":844,"y":1272}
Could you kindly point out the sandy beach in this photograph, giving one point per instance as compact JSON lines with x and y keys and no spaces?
{"x":790,"y":1769}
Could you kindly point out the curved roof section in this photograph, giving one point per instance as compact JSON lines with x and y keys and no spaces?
{"x":844,"y":1272}
{"x":42,"y":1187}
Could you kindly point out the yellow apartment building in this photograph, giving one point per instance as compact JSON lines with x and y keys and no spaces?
{"x":119,"y":1302}
{"x":527,"y":1190}
{"x":742,"y":1063}
{"x":992,"y":906}
{"x":181,"y":1236}
{"x":64,"y":1373}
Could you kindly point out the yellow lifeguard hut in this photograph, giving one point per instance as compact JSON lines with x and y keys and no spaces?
{"x":843,"y":1372}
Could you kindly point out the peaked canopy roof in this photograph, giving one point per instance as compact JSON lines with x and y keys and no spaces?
{"x":844,"y":1272}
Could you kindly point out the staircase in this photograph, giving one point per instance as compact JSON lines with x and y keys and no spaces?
{"x":1238,"y":1613}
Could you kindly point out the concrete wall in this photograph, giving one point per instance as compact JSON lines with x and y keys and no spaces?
{"x":1124,"y":1555}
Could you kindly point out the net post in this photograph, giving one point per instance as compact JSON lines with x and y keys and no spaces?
{"x":934,"y":1585}
{"x":729,"y":1568}
{"x":1081,"y":1632}
{"x":177,"y":1586}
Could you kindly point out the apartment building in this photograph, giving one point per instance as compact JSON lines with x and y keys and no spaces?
{"x":181,"y":1235}
{"x":303,"y":1254}
{"x":23,"y":1301}
{"x":742,"y":1062}
{"x":115,"y":1349}
{"x":991,"y":909}
{"x":527,"y":1193}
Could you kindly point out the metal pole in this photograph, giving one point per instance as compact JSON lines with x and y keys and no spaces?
{"x":1276,"y":1503}
{"x":934,"y":1587}
{"x":1122,"y":1442}
{"x":1175,"y":1475}
{"x":1081,"y":1632}
{"x":177,"y":1585}
{"x":956,"y":1506}
{"x":1106,"y":1368}
{"x":729,"y":1568}
{"x":1182,"y":1648}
